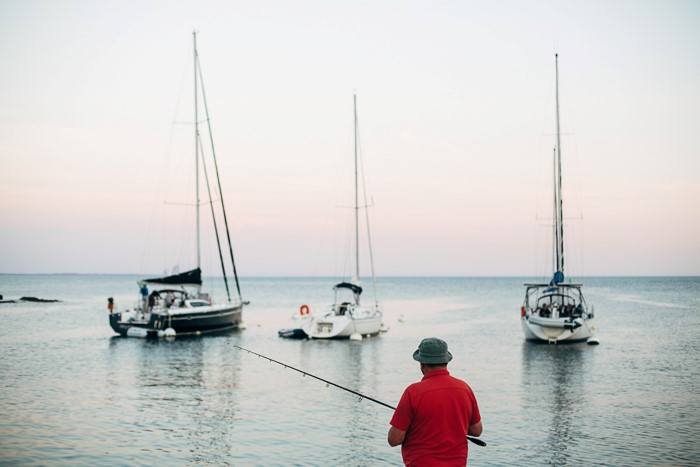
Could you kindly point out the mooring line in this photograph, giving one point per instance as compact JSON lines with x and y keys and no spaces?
{"x":476,"y":441}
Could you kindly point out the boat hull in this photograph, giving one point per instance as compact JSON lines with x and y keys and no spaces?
{"x":199,"y":321}
{"x":292,"y":333}
{"x":341,"y":327}
{"x":556,"y":332}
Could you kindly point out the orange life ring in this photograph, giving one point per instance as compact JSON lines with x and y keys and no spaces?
{"x":304,"y":310}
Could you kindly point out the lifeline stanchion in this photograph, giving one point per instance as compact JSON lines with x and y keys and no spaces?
{"x":476,"y":441}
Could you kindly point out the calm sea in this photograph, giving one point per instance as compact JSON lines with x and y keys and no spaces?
{"x":72,"y":393}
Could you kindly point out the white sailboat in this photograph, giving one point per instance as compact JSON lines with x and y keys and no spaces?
{"x":176,"y":304}
{"x":557,"y":311}
{"x":347,"y":317}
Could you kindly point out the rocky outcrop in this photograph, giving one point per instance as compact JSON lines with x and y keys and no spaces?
{"x":37,"y":300}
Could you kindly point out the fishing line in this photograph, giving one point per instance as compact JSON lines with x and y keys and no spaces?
{"x":476,"y":441}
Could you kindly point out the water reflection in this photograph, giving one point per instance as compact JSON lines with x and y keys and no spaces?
{"x":554,"y":387}
{"x":180,"y":396}
{"x":364,"y":367}
{"x":362,"y":423}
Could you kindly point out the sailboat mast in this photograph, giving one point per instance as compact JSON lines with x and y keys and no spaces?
{"x":555,"y":224}
{"x":357,"y":204}
{"x":196,"y":148}
{"x":558,"y":206}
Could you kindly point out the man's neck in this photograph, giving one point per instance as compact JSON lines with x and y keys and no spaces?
{"x":427,"y":369}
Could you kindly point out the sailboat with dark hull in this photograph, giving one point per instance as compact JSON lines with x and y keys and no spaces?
{"x":176,"y":304}
{"x":557,"y":311}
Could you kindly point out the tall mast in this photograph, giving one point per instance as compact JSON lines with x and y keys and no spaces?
{"x":555,"y":223}
{"x":357,"y":204}
{"x":558,"y":202}
{"x":196,"y":147}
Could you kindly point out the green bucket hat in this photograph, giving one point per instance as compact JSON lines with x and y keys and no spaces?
{"x":432,"y":351}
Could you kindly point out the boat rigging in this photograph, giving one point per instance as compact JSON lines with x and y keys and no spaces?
{"x":177,"y":305}
{"x":557,"y":311}
{"x":346,"y":317}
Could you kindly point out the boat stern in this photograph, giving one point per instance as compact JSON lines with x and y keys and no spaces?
{"x":576,"y":331}
{"x":115,"y":321}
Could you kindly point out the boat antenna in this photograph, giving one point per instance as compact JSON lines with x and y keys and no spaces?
{"x":218,"y":181}
{"x":330,"y":383}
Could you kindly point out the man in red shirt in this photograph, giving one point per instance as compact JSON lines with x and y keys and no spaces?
{"x":435,"y":415}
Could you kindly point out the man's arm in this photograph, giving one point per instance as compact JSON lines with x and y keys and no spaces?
{"x":397,"y":436}
{"x":476,"y":429}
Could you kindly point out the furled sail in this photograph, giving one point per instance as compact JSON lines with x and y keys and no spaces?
{"x":193,"y":277}
{"x":356,"y":289}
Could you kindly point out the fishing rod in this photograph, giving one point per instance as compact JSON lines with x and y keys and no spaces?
{"x":476,"y":441}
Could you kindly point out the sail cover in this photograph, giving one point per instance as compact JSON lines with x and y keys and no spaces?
{"x":558,"y":278}
{"x":356,"y":289}
{"x":193,"y":277}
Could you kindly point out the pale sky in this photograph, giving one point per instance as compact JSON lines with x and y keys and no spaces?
{"x":456,"y":116}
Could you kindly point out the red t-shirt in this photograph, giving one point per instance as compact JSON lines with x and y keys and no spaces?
{"x":436,"y":414}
